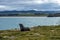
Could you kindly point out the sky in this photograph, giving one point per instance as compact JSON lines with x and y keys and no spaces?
{"x":30,"y":5}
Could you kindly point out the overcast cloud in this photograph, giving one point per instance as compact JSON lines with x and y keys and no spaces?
{"x":29,"y":4}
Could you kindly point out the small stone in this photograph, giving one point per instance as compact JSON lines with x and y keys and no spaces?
{"x":6,"y":37}
{"x":37,"y":34}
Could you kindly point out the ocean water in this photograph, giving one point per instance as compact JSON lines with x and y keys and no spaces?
{"x":13,"y":22}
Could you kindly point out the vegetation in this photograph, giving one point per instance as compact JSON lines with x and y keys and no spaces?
{"x":36,"y":33}
{"x":24,"y":14}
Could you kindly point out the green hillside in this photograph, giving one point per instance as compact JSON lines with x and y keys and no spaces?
{"x":36,"y":33}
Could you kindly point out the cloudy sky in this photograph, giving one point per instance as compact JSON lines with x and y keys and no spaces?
{"x":29,"y":5}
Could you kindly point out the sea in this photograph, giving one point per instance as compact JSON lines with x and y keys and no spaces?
{"x":13,"y":22}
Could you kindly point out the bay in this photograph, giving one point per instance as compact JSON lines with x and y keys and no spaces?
{"x":13,"y":22}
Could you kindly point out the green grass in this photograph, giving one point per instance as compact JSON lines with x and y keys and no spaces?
{"x":36,"y":33}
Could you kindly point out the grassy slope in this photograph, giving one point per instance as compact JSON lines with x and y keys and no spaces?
{"x":36,"y":33}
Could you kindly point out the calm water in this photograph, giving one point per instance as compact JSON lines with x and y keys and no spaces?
{"x":11,"y":22}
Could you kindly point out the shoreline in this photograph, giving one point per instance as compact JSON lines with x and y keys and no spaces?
{"x":21,"y":16}
{"x":27,"y":17}
{"x":32,"y":27}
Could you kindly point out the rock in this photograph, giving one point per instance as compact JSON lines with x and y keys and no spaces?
{"x":37,"y":34}
{"x":6,"y":37}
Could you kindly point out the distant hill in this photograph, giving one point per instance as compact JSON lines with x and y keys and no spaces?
{"x":29,"y":13}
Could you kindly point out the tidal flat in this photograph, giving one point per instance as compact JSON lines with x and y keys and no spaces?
{"x":35,"y":33}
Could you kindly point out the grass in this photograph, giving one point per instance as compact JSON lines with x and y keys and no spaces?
{"x":36,"y":33}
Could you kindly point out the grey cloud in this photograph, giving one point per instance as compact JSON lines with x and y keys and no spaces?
{"x":25,"y":5}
